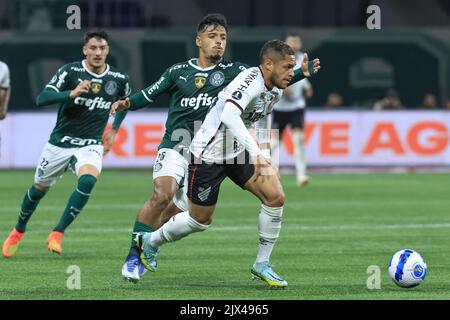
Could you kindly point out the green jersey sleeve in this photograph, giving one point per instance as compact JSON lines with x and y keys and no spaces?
{"x":125,"y":90}
{"x":57,"y":90}
{"x":298,"y":73}
{"x":59,"y":81}
{"x":146,"y":96}
{"x":49,"y":96}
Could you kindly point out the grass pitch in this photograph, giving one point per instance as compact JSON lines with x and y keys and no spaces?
{"x":333,"y":230}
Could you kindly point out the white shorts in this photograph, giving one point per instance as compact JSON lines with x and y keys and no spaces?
{"x":54,"y":161}
{"x":170,"y":163}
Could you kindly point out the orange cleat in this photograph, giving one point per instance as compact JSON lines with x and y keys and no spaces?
{"x":12,"y":243}
{"x":54,"y":241}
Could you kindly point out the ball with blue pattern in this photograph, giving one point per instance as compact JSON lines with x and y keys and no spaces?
{"x":407,"y":268}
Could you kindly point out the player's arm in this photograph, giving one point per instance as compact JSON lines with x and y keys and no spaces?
{"x":262,"y":128}
{"x":308,"y":89}
{"x":110,"y":135}
{"x":231,"y":118}
{"x":5,"y":92}
{"x":50,"y":96}
{"x":58,"y":91}
{"x":306,"y":70}
{"x":142,"y":98}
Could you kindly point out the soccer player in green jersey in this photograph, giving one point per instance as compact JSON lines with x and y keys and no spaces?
{"x":193,"y":86}
{"x":85,"y":91}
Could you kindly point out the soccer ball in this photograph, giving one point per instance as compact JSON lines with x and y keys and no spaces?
{"x":407,"y":268}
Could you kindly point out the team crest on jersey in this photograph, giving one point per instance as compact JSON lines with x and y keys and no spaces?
{"x":217,"y":78}
{"x":200,"y":82}
{"x":111,"y":88}
{"x":96,"y":87}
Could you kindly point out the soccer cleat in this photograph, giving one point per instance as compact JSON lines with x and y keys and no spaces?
{"x":11,"y":243}
{"x":302,"y":181}
{"x":264,"y":272}
{"x":133,"y":269}
{"x":54,"y":241}
{"x":147,"y":253}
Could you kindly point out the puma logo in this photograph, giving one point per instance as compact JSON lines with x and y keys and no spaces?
{"x":185,"y":79}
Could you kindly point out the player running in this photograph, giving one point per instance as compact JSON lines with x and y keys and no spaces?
{"x":85,"y":91}
{"x":291,"y":111}
{"x":193,"y":86}
{"x":222,"y":148}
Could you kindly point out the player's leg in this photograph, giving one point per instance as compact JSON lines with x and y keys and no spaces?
{"x":51,"y":166}
{"x":87,"y":165}
{"x":271,"y":194}
{"x":203,"y":188}
{"x":147,"y":220}
{"x":298,"y":138}
{"x":178,"y":204}
{"x":169,"y":169}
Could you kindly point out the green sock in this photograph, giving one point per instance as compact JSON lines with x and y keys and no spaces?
{"x":77,"y":201}
{"x":138,"y":227}
{"x":29,"y":204}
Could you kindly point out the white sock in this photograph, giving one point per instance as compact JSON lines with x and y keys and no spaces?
{"x":299,"y":153}
{"x":269,"y":227}
{"x":178,"y":227}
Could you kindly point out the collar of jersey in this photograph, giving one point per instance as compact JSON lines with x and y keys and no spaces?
{"x":95,"y":74}
{"x":262,"y":76}
{"x":200,"y":68}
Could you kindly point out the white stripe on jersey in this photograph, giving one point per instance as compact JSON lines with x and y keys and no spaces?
{"x":53,"y":87}
{"x":145,"y":96}
{"x":212,"y":143}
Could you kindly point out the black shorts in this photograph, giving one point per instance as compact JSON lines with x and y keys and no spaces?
{"x":296,"y":119}
{"x":205,"y":179}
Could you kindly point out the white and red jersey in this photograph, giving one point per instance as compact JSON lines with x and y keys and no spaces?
{"x":247,"y":92}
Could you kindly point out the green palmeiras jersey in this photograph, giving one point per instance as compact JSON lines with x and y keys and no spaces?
{"x":192,"y":90}
{"x":82,"y":120}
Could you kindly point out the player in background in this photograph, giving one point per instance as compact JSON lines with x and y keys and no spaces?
{"x":291,"y":111}
{"x":5,"y":92}
{"x":193,"y":86}
{"x":85,"y":91}
{"x":5,"y":89}
{"x":221,"y":148}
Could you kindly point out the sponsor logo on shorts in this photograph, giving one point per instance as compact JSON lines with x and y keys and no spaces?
{"x":157,"y":167}
{"x":95,"y":151}
{"x":203,"y":193}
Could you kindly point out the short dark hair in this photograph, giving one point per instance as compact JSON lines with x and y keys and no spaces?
{"x":95,"y":33}
{"x":275,"y":50}
{"x":215,"y":19}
